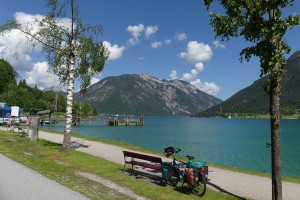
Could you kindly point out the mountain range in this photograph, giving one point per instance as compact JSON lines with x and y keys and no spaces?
{"x":138,"y":94}
{"x":253,"y":100}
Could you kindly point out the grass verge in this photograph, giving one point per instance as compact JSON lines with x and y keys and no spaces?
{"x":135,"y":148}
{"x":44,"y":157}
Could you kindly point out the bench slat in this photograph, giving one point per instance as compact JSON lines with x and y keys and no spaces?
{"x":143,"y":164}
{"x":142,"y":156}
{"x":154,"y":162}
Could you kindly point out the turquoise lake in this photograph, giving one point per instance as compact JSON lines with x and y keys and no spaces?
{"x":239,"y":143}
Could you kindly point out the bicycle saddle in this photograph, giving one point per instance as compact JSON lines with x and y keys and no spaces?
{"x":190,"y":157}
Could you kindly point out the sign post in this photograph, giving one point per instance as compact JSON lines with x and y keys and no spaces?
{"x":35,"y":128}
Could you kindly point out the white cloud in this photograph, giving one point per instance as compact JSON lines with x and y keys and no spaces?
{"x":167,"y":41}
{"x":94,"y":80}
{"x":15,"y":50}
{"x":156,"y":44}
{"x":191,"y":77}
{"x":115,"y":52}
{"x":14,"y":46}
{"x":135,"y":32}
{"x":199,"y":66}
{"x":197,"y":52}
{"x":194,"y":72}
{"x":28,"y":21}
{"x":218,"y":44}
{"x":150,"y":30}
{"x":40,"y":76}
{"x":180,"y":36}
{"x":209,"y":88}
{"x":173,"y":74}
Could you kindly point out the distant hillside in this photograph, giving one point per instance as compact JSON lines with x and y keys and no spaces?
{"x":254,"y":100}
{"x":143,"y":94}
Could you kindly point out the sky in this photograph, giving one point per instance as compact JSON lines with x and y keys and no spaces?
{"x":167,"y":39}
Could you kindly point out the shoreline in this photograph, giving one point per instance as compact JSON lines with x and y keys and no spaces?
{"x":293,"y":179}
{"x":234,"y":183}
{"x":223,"y":180}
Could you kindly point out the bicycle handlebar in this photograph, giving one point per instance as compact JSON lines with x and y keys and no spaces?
{"x":176,"y":150}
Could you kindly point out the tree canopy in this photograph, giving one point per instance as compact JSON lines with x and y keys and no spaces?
{"x":72,"y":48}
{"x":261,"y":22}
{"x":8,"y":75}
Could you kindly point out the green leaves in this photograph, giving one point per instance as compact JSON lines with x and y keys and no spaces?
{"x":259,"y":22}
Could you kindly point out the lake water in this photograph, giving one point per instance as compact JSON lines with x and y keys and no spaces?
{"x":239,"y":143}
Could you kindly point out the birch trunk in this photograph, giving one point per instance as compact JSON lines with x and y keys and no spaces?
{"x":68,"y":125}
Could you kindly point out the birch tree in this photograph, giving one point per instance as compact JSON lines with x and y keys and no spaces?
{"x":72,"y":48}
{"x":261,"y":23}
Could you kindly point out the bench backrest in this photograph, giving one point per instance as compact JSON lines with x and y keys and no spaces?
{"x":142,"y":156}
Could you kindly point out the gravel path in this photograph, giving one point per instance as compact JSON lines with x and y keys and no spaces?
{"x":232,"y":183}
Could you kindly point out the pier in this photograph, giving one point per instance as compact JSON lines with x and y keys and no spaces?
{"x":127,"y":122}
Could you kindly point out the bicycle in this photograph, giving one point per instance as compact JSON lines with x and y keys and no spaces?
{"x":177,"y":168}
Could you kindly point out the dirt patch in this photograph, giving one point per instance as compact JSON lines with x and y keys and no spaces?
{"x":110,"y":185}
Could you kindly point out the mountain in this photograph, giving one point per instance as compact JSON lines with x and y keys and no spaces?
{"x":143,"y":94}
{"x":58,"y":89}
{"x":254,"y":100}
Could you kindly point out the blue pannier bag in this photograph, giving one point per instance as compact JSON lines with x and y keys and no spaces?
{"x":165,"y":170}
{"x":198,"y":164}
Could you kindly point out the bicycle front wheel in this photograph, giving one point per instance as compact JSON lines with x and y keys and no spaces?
{"x":199,"y":187}
{"x":173,"y":176}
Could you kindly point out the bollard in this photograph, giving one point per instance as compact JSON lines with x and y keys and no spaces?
{"x":35,"y":128}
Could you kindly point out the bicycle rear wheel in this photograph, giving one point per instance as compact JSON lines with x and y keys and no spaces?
{"x":173,"y":176}
{"x":199,"y":187}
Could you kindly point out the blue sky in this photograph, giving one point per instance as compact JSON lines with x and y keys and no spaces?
{"x":165,"y":38}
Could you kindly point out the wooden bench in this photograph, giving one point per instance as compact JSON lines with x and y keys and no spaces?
{"x":133,"y":158}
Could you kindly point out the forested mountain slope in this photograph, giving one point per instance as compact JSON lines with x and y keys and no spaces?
{"x":253,"y":100}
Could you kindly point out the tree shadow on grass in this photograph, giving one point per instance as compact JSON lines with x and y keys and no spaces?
{"x":218,"y":188}
{"x":51,"y":145}
{"x":148,"y":176}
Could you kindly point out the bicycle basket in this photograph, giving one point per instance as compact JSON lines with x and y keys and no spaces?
{"x":169,"y":151}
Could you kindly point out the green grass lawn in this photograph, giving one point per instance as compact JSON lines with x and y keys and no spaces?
{"x":44,"y":157}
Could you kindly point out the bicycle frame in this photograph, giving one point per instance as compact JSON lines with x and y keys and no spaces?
{"x":179,"y":165}
{"x":177,"y":170}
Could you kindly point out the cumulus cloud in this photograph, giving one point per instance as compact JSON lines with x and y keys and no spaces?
{"x":135,"y":32}
{"x":180,"y":36}
{"x":209,"y":88}
{"x":150,"y":30}
{"x":115,"y":52}
{"x":39,"y":75}
{"x":193,"y":73}
{"x":218,"y":44}
{"x":29,"y":22}
{"x":94,"y":80}
{"x":167,"y":41}
{"x":14,"y":46}
{"x":197,"y":52}
{"x":15,"y":50}
{"x":173,"y":74}
{"x":156,"y":44}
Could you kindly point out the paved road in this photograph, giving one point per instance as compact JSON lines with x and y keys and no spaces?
{"x":22,"y":183}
